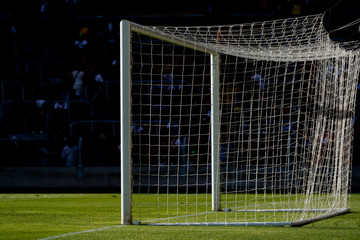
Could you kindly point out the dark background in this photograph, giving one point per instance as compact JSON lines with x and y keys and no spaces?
{"x":38,"y":52}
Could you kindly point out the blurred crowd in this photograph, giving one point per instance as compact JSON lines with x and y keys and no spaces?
{"x":60,"y":71}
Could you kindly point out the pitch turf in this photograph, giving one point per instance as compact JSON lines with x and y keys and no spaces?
{"x":97,"y":216}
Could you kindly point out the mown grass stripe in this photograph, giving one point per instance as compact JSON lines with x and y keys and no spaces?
{"x":80,"y":232}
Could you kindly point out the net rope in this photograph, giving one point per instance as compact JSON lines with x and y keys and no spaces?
{"x":293,"y":39}
{"x":287,"y":102}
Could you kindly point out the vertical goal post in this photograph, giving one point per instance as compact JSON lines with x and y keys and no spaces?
{"x":125,"y":118}
{"x":244,"y":125}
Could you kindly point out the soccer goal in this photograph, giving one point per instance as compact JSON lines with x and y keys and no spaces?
{"x":246,"y":124}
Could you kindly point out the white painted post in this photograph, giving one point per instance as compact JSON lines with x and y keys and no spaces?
{"x":215,"y":133}
{"x":125,"y":129}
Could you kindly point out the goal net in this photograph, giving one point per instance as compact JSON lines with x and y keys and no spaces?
{"x":246,"y":124}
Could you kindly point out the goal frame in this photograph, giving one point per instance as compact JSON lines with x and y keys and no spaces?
{"x":126,"y":27}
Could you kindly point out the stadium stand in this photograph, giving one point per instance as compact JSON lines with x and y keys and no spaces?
{"x":44,"y":42}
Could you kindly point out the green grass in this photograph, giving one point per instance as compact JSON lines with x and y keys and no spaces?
{"x":36,"y":216}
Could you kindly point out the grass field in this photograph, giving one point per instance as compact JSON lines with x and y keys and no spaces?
{"x":97,"y":216}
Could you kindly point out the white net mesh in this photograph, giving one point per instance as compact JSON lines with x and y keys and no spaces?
{"x":287,"y":100}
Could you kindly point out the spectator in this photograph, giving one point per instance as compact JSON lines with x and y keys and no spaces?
{"x":62,"y":103}
{"x":78,"y":77}
{"x":61,"y":110}
{"x":69,"y":153}
{"x":44,"y":7}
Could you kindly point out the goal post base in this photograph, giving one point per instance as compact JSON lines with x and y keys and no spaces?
{"x":338,"y":212}
{"x":333,"y":213}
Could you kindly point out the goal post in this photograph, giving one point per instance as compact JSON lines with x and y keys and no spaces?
{"x":244,"y":124}
{"x":215,"y":132}
{"x":125,"y":118}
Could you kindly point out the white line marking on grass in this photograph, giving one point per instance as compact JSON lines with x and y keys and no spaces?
{"x":75,"y":233}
